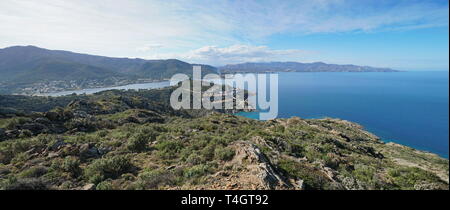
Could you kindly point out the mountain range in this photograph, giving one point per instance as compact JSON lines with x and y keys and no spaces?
{"x":31,"y":64}
{"x":32,"y":70}
{"x":297,"y":67}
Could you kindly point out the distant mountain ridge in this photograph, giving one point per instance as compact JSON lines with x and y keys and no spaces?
{"x":30,"y":63}
{"x":30,"y":70}
{"x":297,"y":67}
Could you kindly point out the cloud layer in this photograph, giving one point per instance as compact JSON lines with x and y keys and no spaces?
{"x":157,"y":28}
{"x":236,"y":54}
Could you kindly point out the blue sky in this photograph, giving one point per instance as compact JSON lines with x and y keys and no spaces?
{"x":400,"y":34}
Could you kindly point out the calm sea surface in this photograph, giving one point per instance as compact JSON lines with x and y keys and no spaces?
{"x":410,"y":108}
{"x":151,"y":85}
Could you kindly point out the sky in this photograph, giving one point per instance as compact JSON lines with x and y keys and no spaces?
{"x":399,"y":34}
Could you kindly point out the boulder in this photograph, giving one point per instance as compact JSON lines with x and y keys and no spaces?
{"x":88,"y":151}
{"x":88,"y":187}
{"x":259,"y":166}
{"x":53,"y":154}
{"x":80,"y":114}
{"x":300,"y":184}
{"x":42,"y":120}
{"x":58,"y":145}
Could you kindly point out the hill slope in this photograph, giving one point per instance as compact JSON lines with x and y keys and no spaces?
{"x":23,"y":65}
{"x":134,"y":140}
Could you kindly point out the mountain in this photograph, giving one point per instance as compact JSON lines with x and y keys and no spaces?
{"x":134,"y":140}
{"x":297,"y":67}
{"x":29,"y":64}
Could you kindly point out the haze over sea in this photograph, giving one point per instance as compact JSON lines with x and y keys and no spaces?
{"x":409,"y":108}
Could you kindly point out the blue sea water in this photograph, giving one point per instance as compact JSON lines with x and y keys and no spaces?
{"x":409,"y":108}
{"x":149,"y":85}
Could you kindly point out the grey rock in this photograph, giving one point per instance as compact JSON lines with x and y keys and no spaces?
{"x":88,"y":151}
{"x":58,"y":145}
{"x":42,"y":120}
{"x":300,"y":184}
{"x":53,"y":154}
{"x":80,"y":114}
{"x":264,"y":170}
{"x":103,"y":151}
{"x":88,"y":187}
{"x":170,"y":167}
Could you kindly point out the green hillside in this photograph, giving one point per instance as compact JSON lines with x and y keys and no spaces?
{"x":134,"y":140}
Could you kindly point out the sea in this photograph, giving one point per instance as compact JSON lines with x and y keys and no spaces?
{"x":150,"y":85}
{"x":409,"y":108}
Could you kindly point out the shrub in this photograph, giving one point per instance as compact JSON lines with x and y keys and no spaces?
{"x":169,"y":149}
{"x":224,"y":154}
{"x":25,"y":134}
{"x":15,"y":122}
{"x":138,"y":143}
{"x":196,"y":171}
{"x":26,"y":184}
{"x":152,"y":179}
{"x":72,"y":166}
{"x":313,"y":179}
{"x":364,"y":173}
{"x":194,"y":159}
{"x":208,"y":152}
{"x":102,"y":133}
{"x":406,"y":178}
{"x":105,"y":168}
{"x":105,"y":185}
{"x":34,"y":172}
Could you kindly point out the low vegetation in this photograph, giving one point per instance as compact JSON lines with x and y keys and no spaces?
{"x":134,"y":140}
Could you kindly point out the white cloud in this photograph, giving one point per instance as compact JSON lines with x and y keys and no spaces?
{"x":217,"y":56}
{"x":149,"y":48}
{"x":131,"y":28}
{"x":104,"y":27}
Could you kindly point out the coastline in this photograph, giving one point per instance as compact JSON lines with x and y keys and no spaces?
{"x":253,"y":115}
{"x":99,"y":89}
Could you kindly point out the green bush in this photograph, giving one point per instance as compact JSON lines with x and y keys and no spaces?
{"x":313,"y":179}
{"x":25,"y":134}
{"x":15,"y":122}
{"x":194,"y":159}
{"x":208,"y":152}
{"x":105,"y":168}
{"x":105,"y":185}
{"x":196,"y":171}
{"x":34,"y":172}
{"x":72,"y":166}
{"x":102,"y":133}
{"x":138,"y":143}
{"x":169,"y":149}
{"x":153,"y":179}
{"x":364,"y":173}
{"x":26,"y":184}
{"x":406,"y":178}
{"x":224,"y":154}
